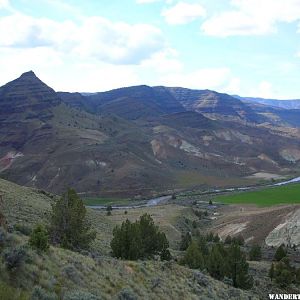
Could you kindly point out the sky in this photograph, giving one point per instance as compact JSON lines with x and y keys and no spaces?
{"x":243,"y":47}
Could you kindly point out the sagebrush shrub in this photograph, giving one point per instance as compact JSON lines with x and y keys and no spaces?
{"x":41,"y":294}
{"x":14,"y":257}
{"x":39,"y":238}
{"x":80,"y":295}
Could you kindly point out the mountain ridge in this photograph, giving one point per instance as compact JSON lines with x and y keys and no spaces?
{"x":137,"y":141}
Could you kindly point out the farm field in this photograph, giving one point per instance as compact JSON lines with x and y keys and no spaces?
{"x":288,"y":194}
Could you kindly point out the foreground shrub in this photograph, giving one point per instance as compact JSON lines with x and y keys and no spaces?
{"x":127,"y":294}
{"x":10,"y":293}
{"x":3,"y":238}
{"x":24,"y":229}
{"x":14,"y":258}
{"x":69,"y":226}
{"x":80,"y":295}
{"x":165,"y":255}
{"x":141,"y":239}
{"x":39,"y":238}
{"x":41,"y":294}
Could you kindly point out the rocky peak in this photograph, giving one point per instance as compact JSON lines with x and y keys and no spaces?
{"x":28,"y":74}
{"x":26,"y":94}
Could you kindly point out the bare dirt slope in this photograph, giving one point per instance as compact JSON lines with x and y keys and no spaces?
{"x":254,"y":223}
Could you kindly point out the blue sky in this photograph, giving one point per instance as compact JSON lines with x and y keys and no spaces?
{"x":245,"y":47}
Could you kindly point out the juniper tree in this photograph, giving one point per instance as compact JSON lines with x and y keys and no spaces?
{"x":69,"y":226}
{"x":141,"y":239}
{"x":255,"y":253}
{"x":284,"y":273}
{"x":202,"y":244}
{"x":228,"y":240}
{"x":238,"y":268}
{"x":272,"y":272}
{"x":216,"y":263}
{"x":186,"y":240}
{"x":280,"y":253}
{"x":193,"y":257}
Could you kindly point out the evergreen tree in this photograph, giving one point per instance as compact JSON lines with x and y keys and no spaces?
{"x":185,"y":241}
{"x":108,"y":210}
{"x":141,"y":239}
{"x":238,"y":268}
{"x":297,"y":274}
{"x":126,"y":242}
{"x":210,"y":237}
{"x":69,"y":226}
{"x":284,"y":274}
{"x":280,"y":253}
{"x":228,"y":240}
{"x":193,"y":257}
{"x":152,"y":240}
{"x":202,"y":245}
{"x":165,"y":255}
{"x":216,"y":238}
{"x":255,"y":253}
{"x":239,"y":240}
{"x":39,"y":238}
{"x":272,"y":272}
{"x":216,"y":263}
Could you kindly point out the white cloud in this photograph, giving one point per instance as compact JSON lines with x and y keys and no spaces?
{"x":234,"y":86}
{"x":207,"y":78}
{"x":152,"y":1}
{"x":265,"y":90}
{"x":164,"y":62}
{"x":252,"y":17}
{"x":4,"y":4}
{"x":183,"y":13}
{"x":96,"y":37}
{"x":146,"y":1}
{"x":119,"y":42}
{"x":235,"y":23}
{"x":66,"y":72}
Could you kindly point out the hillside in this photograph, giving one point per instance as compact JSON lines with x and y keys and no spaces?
{"x":139,"y":141}
{"x":62,"y":271}
{"x":286,"y":104}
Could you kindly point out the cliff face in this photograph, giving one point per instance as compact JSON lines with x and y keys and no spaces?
{"x":287,"y":233}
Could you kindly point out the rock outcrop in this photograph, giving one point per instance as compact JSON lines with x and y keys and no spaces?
{"x":287,"y":233}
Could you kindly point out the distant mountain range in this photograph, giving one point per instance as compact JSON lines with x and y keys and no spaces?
{"x":287,"y":104}
{"x":139,"y":140}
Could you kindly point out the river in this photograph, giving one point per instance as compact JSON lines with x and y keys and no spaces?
{"x":165,"y":199}
{"x":149,"y":203}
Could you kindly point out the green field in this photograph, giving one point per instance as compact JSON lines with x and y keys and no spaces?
{"x":288,"y":194}
{"x":106,"y":201}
